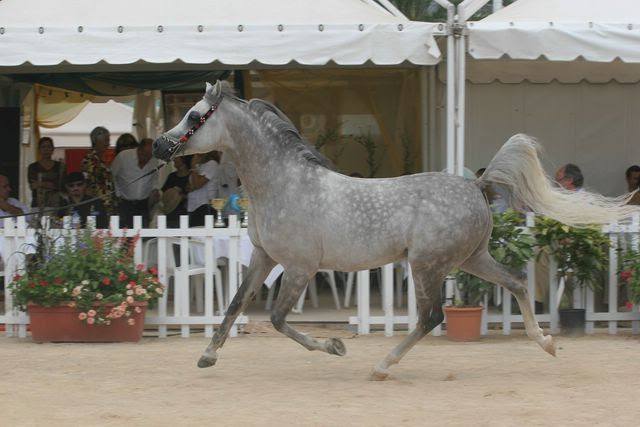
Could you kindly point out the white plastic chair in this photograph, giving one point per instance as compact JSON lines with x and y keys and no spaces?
{"x":191,"y":269}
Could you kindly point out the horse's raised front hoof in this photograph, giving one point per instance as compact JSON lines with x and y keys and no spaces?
{"x":207,"y":361}
{"x":549,"y":345}
{"x":378,"y":374}
{"x":335,"y":346}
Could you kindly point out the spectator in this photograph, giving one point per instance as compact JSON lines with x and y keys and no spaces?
{"x":570,"y":177}
{"x":135,"y":195}
{"x":632,"y":176}
{"x":179,"y":182}
{"x":76,"y":187}
{"x":203,"y":186}
{"x":45,"y":177}
{"x":125,"y":141}
{"x":97,"y":174}
{"x":9,"y":205}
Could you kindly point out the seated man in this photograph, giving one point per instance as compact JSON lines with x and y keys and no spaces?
{"x":9,"y":205}
{"x":76,"y":187}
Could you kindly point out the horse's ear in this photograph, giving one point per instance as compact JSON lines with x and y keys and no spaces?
{"x":213,"y":92}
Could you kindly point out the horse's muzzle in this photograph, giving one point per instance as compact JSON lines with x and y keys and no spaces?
{"x":165,"y":147}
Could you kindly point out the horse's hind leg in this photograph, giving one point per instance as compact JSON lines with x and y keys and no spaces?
{"x":259,"y":268}
{"x":428,"y":285}
{"x":293,"y":283}
{"x":485,"y":267}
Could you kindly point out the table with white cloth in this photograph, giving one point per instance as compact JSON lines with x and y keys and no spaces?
{"x":221,"y":249}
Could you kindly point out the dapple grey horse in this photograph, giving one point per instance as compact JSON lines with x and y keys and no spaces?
{"x":305,"y":216}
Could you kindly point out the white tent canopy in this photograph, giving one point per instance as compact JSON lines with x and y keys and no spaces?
{"x":602,"y":39}
{"x":581,"y":42}
{"x":37,"y":34}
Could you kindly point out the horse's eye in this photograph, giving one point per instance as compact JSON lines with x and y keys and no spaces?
{"x":194,"y":116}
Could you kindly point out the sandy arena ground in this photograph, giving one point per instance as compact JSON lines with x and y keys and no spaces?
{"x":263,"y":378}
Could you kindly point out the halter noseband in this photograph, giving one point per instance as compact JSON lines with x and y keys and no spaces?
{"x":176,"y":144}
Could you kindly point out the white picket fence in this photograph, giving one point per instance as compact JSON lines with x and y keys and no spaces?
{"x":506,"y":320}
{"x":175,"y":308}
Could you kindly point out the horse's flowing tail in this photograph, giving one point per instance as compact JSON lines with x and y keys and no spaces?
{"x":517,"y":167}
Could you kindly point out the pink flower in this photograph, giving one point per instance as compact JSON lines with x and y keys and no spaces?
{"x":106,"y":281}
{"x":99,"y":296}
{"x":131,"y":285}
{"x":140,"y":267}
{"x":71,"y":304}
{"x":625,"y":275}
{"x":91,"y":320}
{"x":131,"y":321}
{"x":629,"y":305}
{"x":91,"y":313}
{"x":138,"y":310}
{"x":140,"y":291}
{"x":130,"y":300}
{"x":76,"y":291}
{"x":122,"y":277}
{"x":58,"y":280}
{"x":159,"y":290}
{"x":82,"y":316}
{"x":154,"y":271}
{"x":16,"y":277}
{"x":130,"y":292}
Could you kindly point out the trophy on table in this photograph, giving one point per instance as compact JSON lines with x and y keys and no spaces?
{"x":218,"y":205}
{"x":243,"y":204}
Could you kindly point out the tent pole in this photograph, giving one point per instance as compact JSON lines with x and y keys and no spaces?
{"x":432,"y":119}
{"x":425,"y":119}
{"x":460,"y":107}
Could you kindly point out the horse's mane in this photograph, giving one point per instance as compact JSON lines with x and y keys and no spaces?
{"x":289,"y":137}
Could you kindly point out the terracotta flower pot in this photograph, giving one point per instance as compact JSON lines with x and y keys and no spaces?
{"x":61,"y":324}
{"x":463,"y":323}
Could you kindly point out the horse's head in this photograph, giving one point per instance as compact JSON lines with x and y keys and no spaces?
{"x":197,"y":132}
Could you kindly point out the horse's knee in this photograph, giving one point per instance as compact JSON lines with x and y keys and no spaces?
{"x":278,"y":321}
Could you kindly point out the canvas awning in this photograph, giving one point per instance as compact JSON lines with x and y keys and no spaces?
{"x":36,"y":35}
{"x":601,"y":38}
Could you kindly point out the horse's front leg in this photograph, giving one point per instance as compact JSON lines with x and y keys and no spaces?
{"x":259,"y":268}
{"x":293,"y":283}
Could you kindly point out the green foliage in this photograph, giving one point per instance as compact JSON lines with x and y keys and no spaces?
{"x":580,"y":252}
{"x":87,"y":271}
{"x":509,"y":245}
{"x":367,"y":142}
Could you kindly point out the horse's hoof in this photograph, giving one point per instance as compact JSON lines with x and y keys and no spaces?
{"x":335,"y":346}
{"x":378,"y":374}
{"x":207,"y":361}
{"x":549,"y":345}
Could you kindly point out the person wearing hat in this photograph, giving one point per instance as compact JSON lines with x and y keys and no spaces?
{"x":76,"y":187}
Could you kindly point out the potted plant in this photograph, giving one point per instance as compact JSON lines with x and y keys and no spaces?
{"x":510,"y":246}
{"x":581,"y":256}
{"x":84,"y":286}
{"x":630,"y":276}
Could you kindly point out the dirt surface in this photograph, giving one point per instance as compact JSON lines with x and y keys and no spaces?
{"x":263,"y":378}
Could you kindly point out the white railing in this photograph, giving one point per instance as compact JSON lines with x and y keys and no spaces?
{"x":504,"y":317}
{"x":175,"y":307}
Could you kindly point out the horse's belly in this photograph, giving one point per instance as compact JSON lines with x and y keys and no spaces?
{"x":355,"y":257}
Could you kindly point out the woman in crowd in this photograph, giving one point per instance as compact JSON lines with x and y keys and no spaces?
{"x":125,"y":141}
{"x":45,"y":177}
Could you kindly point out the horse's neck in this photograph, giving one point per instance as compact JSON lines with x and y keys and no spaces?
{"x":260,"y":161}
